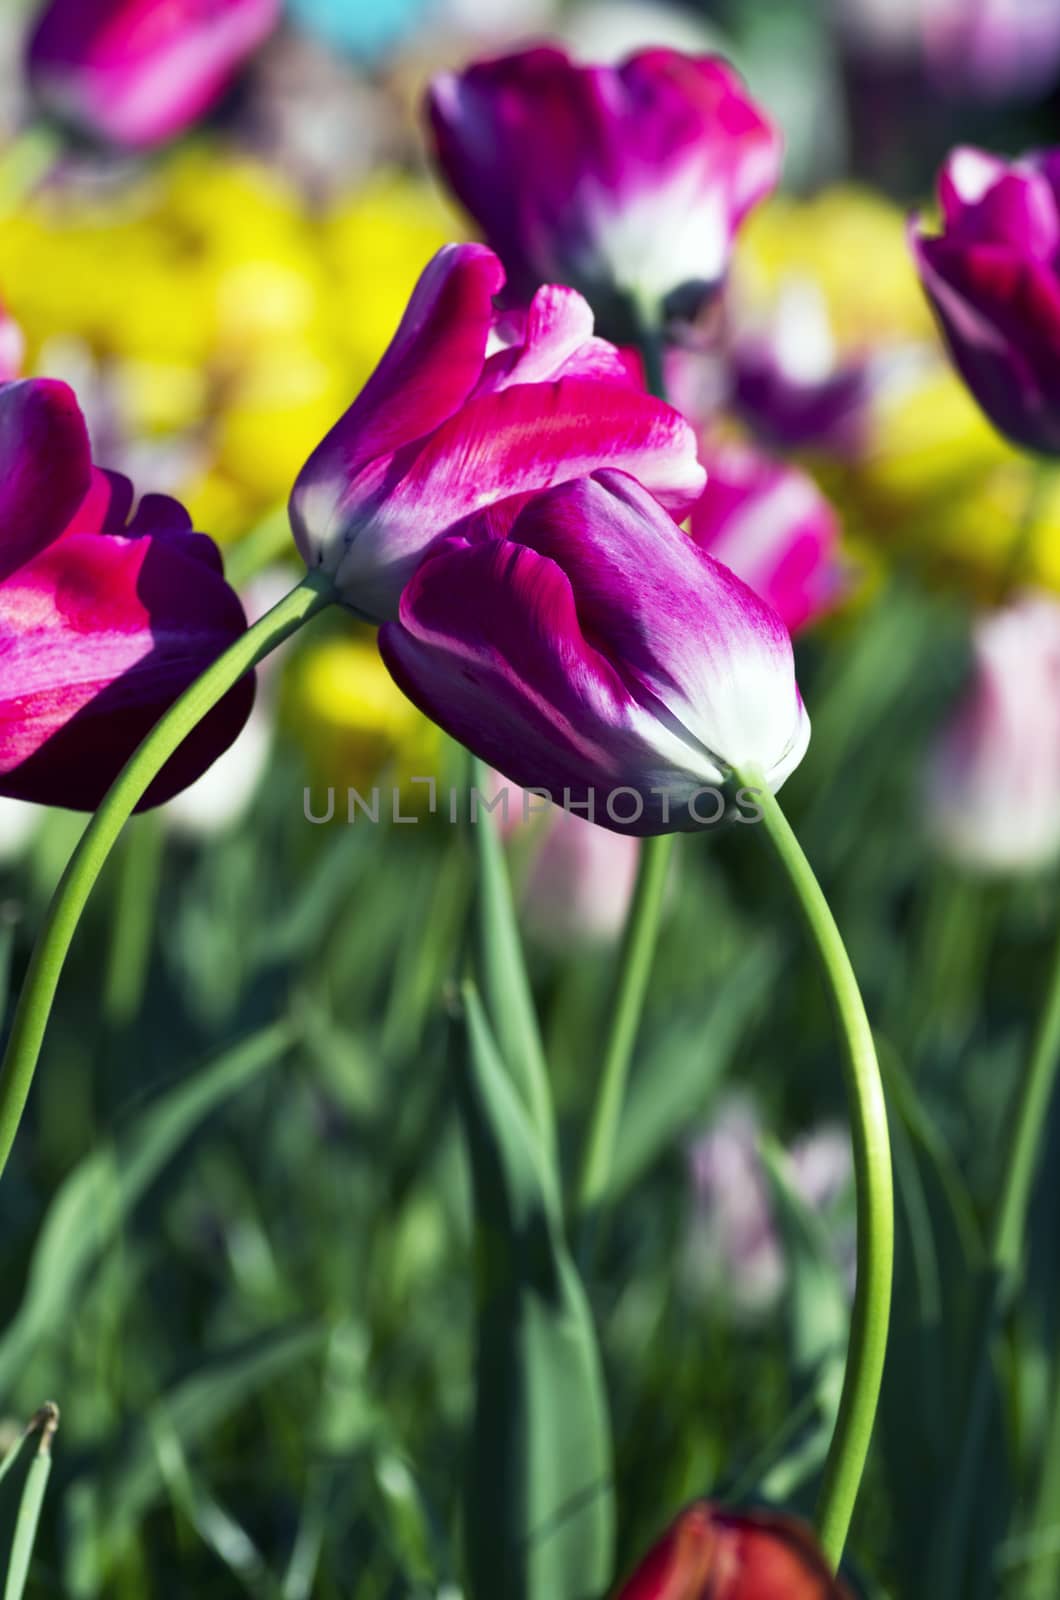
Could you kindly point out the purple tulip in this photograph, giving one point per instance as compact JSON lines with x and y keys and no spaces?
{"x":595,"y":653}
{"x":993,"y":49}
{"x":628,"y":182}
{"x":137,"y":72}
{"x":103,"y":621}
{"x":994,"y":774}
{"x":772,"y":525}
{"x":469,"y":407}
{"x":991,"y":277}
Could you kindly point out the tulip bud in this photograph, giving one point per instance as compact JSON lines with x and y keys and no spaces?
{"x":991,"y":277}
{"x":994,"y":775}
{"x":597,"y":653}
{"x":137,"y":72}
{"x":628,"y":182}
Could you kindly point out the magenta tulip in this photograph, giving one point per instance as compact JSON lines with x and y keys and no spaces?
{"x":992,"y":279}
{"x":628,"y":182}
{"x":137,"y":72}
{"x":596,"y":653}
{"x":469,"y":407}
{"x":103,"y":621}
{"x":772,"y":525}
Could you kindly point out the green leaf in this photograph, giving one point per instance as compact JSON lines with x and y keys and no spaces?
{"x":673,"y":1085}
{"x":539,"y":1520}
{"x":127,"y":1484}
{"x":505,"y":983}
{"x":29,"y":1510}
{"x":102,"y":1190}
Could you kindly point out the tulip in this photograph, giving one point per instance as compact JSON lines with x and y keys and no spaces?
{"x":469,"y":407}
{"x":991,"y":277}
{"x":771,"y":524}
{"x":598,"y":654}
{"x":628,"y":182}
{"x":712,"y":1553}
{"x":137,"y":72}
{"x":993,"y":790}
{"x":103,"y":621}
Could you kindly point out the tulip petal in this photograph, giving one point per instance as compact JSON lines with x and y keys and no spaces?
{"x":986,"y":298}
{"x":428,"y":370}
{"x":771,"y":525}
{"x":517,"y":442}
{"x":597,"y":648}
{"x":98,"y":636}
{"x":45,"y":467}
{"x":137,"y":72}
{"x":687,"y":632}
{"x":554,"y":339}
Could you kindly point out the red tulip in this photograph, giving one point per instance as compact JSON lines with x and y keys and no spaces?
{"x":710,"y":1553}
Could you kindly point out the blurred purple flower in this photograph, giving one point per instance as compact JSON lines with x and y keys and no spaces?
{"x":993,"y":792}
{"x":992,"y":279}
{"x":138,"y":72}
{"x":733,"y":1247}
{"x":628,"y":183}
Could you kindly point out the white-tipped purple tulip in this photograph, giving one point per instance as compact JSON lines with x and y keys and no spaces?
{"x":590,"y":649}
{"x":628,"y":182}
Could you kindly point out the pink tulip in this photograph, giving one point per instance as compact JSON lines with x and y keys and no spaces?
{"x":772,"y":525}
{"x":628,"y":182}
{"x":994,"y":775}
{"x":103,"y":621}
{"x":137,"y":72}
{"x":467,"y":408}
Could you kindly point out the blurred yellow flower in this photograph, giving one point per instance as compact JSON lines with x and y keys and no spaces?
{"x":221,"y":307}
{"x":851,"y":243}
{"x":356,"y":726}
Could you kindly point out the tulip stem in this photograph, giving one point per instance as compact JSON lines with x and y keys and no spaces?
{"x":627,"y":1004}
{"x":99,"y":838}
{"x":875,"y":1191}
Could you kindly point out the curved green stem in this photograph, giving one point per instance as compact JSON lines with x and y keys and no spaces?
{"x":86,"y":863}
{"x":875,"y":1191}
{"x":627,"y":1003}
